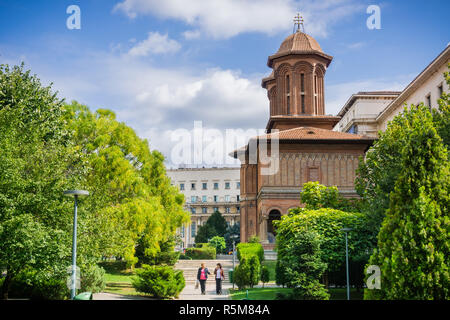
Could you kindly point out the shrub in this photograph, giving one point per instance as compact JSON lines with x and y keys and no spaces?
{"x":39,"y":285}
{"x":159,"y":281}
{"x":205,"y":252}
{"x":113,"y":266}
{"x":255,"y":270}
{"x":218,"y":243}
{"x":328,"y":224}
{"x":184,"y":257}
{"x":92,"y":279}
{"x":248,"y":249}
{"x":242,"y":274}
{"x":280,"y":274}
{"x":300,"y":254}
{"x":254,"y":239}
{"x":265,"y":275}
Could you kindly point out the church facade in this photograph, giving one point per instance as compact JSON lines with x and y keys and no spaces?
{"x":307,"y":147}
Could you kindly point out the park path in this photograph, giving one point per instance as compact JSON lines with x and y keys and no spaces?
{"x":190,"y":293}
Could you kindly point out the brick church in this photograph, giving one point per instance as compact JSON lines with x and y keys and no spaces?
{"x":308,"y":148}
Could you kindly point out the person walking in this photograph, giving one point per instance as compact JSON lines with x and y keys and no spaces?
{"x":218,"y":274}
{"x":202,"y":276}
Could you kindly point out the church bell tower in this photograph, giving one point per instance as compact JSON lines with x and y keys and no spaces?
{"x":295,"y":87}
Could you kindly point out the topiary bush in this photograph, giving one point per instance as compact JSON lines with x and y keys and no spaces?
{"x":265,"y":275}
{"x":206,"y":252}
{"x":242,"y":274}
{"x":92,"y":279}
{"x":159,"y":281}
{"x":255,"y":270}
{"x":249,"y":249}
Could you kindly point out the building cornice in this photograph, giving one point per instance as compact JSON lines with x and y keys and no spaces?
{"x":433,"y":67}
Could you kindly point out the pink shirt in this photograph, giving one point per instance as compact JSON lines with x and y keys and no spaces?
{"x":202,"y":274}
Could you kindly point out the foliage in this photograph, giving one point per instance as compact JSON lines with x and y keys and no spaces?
{"x":92,"y":278}
{"x":218,"y":243}
{"x":265,"y":275}
{"x":159,"y":281}
{"x":255,"y":270}
{"x":216,"y":225}
{"x":378,"y":173}
{"x":242,"y":275}
{"x":254,"y":239}
{"x":206,"y":252}
{"x":249,"y":249}
{"x":413,"y":243}
{"x":166,"y":255}
{"x":300,"y":255}
{"x":281,"y":276}
{"x":315,"y":196}
{"x":48,"y":147}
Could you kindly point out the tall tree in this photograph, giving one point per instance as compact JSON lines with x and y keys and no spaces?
{"x":413,"y":243}
{"x":216,"y":225}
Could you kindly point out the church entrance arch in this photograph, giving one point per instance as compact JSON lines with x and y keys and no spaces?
{"x":271,"y":232}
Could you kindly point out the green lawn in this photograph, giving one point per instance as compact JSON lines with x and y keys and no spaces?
{"x":120,"y":282}
{"x":271,"y":266}
{"x":270,"y":293}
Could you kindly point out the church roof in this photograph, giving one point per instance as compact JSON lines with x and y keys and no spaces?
{"x":312,"y":133}
{"x":299,"y":43}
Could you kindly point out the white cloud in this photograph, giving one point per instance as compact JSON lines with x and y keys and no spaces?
{"x":155,"y":43}
{"x":224,"y":19}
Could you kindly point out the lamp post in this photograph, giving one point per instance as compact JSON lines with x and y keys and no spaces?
{"x":346,"y":230}
{"x":75,"y":194}
{"x":234,"y":249}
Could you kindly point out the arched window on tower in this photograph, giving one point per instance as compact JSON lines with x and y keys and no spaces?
{"x":288,"y":95}
{"x":302,"y":91}
{"x":316,"y":102}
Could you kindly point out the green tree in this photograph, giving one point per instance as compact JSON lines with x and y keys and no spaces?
{"x":301,"y":259}
{"x":35,"y":168}
{"x":218,"y":243}
{"x":255,"y":270}
{"x":315,"y":196}
{"x":134,"y":204}
{"x":233,"y":233}
{"x":265,"y":275}
{"x":216,"y":225}
{"x":378,"y":172}
{"x":413,"y":243}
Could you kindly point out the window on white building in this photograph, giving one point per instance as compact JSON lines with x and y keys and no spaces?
{"x":227,"y":210}
{"x":216,"y":209}
{"x":204,"y":210}
{"x":440,"y":90}
{"x":428,"y":98}
{"x":238,"y":185}
{"x":193,"y":229}
{"x":193,"y":210}
{"x":216,"y":198}
{"x":193,"y":199}
{"x":204,"y":198}
{"x":227,"y":198}
{"x":181,"y":186}
{"x":204,"y":186}
{"x":227,"y":185}
{"x":216,"y":186}
{"x":192,"y":186}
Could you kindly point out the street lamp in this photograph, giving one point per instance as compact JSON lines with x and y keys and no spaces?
{"x":75,"y":194}
{"x":234,"y":255}
{"x":346,"y":230}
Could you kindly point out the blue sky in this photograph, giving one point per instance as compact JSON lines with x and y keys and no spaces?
{"x":163,"y":64}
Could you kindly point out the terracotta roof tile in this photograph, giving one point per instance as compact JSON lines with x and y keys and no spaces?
{"x":311,"y":133}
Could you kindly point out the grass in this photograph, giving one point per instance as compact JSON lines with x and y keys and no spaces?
{"x":119,"y":282}
{"x":270,"y":293}
{"x":270,"y":264}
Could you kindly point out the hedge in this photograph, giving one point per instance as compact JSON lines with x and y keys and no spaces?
{"x":206,"y":252}
{"x":159,"y":281}
{"x":248,"y":250}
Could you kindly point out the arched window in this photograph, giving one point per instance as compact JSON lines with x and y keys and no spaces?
{"x":302,"y":91}
{"x":288,"y":95}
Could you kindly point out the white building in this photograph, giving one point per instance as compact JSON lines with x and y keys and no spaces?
{"x":360,"y":112}
{"x":207,"y":190}
{"x":369,"y":112}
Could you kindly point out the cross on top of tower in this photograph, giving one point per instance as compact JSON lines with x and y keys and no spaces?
{"x":298,"y":22}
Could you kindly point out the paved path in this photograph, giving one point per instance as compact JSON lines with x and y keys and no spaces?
{"x":190,"y":293}
{"x":113,"y":296}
